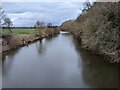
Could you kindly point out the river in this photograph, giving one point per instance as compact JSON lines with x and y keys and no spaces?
{"x":58,"y":62}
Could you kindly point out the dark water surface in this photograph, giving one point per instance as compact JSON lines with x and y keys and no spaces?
{"x":57,"y":63}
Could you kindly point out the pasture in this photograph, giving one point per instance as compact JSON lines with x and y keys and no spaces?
{"x":19,"y":31}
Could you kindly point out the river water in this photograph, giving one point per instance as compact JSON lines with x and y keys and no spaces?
{"x":58,"y":62}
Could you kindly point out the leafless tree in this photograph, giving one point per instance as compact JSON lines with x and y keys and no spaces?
{"x":5,"y":21}
{"x":39,"y":25}
{"x":8,"y":23}
{"x":39,"y":28}
{"x":49,"y":25}
{"x":86,"y":6}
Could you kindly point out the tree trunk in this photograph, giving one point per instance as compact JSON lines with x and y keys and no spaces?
{"x":10,"y":30}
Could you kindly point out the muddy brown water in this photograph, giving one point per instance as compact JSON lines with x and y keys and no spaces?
{"x":58,"y":62}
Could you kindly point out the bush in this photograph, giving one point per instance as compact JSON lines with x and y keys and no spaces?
{"x":113,"y":17}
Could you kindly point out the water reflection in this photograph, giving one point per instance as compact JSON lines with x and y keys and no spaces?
{"x":10,"y":61}
{"x":96,"y":72}
{"x":11,"y":54}
{"x":40,"y":47}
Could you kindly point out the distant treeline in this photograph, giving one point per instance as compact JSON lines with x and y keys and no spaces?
{"x":26,"y":27}
{"x":18,"y":27}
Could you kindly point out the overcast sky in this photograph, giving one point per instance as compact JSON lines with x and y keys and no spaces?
{"x":47,"y":0}
{"x":27,"y":13}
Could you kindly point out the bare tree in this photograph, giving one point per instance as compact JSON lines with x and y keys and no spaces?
{"x":49,"y":25}
{"x":39,"y":28}
{"x":86,"y":6}
{"x":39,"y":25}
{"x":8,"y":23}
{"x":4,"y":20}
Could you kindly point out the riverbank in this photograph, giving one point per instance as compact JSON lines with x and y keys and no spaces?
{"x":98,"y":30}
{"x":18,"y":40}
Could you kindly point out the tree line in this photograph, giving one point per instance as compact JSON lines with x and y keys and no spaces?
{"x":6,"y":23}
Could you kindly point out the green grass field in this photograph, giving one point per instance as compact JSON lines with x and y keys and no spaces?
{"x":19,"y":31}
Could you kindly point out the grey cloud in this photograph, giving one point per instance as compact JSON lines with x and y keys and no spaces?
{"x":26,"y":14}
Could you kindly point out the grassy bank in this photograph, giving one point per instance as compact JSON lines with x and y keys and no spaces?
{"x":22,"y":37}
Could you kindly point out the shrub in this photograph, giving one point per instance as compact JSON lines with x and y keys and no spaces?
{"x":113,"y":17}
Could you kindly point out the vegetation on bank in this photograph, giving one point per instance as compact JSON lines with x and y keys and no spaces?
{"x":98,"y":29}
{"x":25,"y":36}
